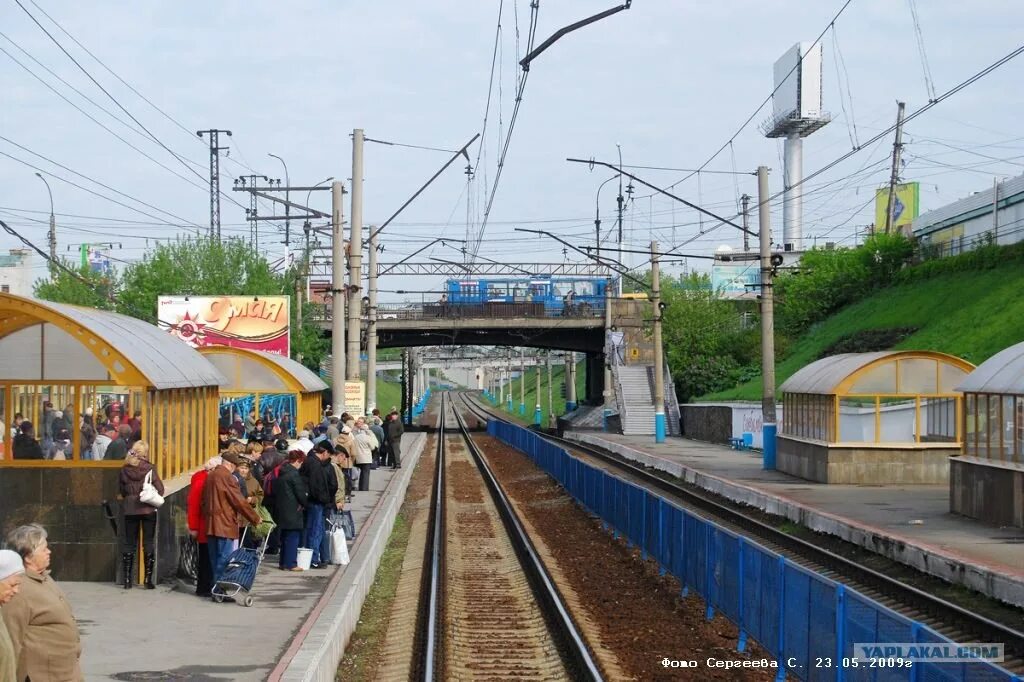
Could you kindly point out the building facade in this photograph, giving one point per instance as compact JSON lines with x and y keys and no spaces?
{"x":16,"y":276}
{"x":994,"y":215}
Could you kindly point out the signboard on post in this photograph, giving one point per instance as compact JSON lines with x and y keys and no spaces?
{"x":355,"y":398}
{"x":905,"y":206}
{"x":253,"y":322}
{"x":736,"y":280}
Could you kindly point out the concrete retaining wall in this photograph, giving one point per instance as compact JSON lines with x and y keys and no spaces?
{"x":992,"y":492}
{"x":709,"y":423}
{"x":337,"y":614}
{"x":949,"y":567}
{"x":864,"y":465}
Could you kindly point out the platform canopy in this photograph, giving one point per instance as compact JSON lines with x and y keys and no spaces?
{"x":911,"y":395}
{"x":265,"y":382}
{"x":994,"y":407}
{"x":92,"y":366}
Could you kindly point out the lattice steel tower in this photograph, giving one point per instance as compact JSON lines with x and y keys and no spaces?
{"x":215,"y":151}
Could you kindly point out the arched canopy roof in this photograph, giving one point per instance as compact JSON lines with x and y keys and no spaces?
{"x":880,"y":373}
{"x":253,"y":371}
{"x":41,"y":340}
{"x":1001,"y":373}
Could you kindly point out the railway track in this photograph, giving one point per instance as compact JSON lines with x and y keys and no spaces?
{"x":944,"y":617}
{"x":492,"y":611}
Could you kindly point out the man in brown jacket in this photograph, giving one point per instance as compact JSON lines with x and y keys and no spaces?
{"x":222,"y":505}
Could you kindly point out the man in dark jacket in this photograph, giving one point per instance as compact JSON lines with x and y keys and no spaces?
{"x":318,"y":487}
{"x":395,"y":429}
{"x":332,"y":489}
{"x":290,"y":496}
{"x":223,"y":503}
{"x":272,"y":457}
{"x":118,"y":448}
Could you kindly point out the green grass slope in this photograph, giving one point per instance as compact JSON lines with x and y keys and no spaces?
{"x":558,"y":402}
{"x":969,"y":314}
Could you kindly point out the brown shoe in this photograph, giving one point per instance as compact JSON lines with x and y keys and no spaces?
{"x":296,"y":568}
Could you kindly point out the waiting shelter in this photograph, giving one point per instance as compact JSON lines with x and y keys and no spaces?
{"x":987,"y":482}
{"x":888,"y":417}
{"x":71,"y":360}
{"x":265,"y":382}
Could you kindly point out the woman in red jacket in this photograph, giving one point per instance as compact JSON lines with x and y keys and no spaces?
{"x":197,"y":523}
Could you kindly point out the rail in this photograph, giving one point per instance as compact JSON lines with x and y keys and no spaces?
{"x":432,"y":615}
{"x":937,"y":614}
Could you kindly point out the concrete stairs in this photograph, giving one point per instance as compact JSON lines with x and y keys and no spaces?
{"x":636,"y":401}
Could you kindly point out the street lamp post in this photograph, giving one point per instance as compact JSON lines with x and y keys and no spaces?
{"x":287,"y":208}
{"x":597,"y":215}
{"x":52,"y":237}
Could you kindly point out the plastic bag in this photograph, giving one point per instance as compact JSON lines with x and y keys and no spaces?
{"x":339,"y":546}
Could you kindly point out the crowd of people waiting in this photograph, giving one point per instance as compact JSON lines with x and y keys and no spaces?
{"x":293,"y":490}
{"x":102,"y":435}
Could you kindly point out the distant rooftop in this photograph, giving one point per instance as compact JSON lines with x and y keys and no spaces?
{"x":1010,"y":192}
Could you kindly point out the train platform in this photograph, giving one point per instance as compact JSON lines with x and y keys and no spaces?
{"x":169,"y":633}
{"x":909,"y":524}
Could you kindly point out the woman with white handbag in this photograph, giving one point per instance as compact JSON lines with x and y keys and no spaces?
{"x":142,"y":494}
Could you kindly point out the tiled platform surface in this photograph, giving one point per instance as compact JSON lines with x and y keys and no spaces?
{"x":169,"y":633}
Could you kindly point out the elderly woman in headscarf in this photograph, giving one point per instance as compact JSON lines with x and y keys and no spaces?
{"x":366,"y":443}
{"x":137,"y":514}
{"x":346,"y":442}
{"x":197,"y":523}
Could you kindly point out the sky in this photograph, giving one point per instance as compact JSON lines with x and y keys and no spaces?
{"x":667,"y":82}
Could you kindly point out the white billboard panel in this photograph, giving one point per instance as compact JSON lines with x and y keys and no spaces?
{"x":798,"y":82}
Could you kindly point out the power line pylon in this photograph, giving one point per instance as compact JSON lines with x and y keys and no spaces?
{"x":215,"y":151}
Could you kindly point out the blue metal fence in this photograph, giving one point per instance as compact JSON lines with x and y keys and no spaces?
{"x":807,"y":622}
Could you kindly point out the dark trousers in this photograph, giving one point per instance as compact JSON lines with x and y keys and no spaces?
{"x":274,"y":541}
{"x":132,"y":524}
{"x":364,"y":476}
{"x":395,"y":446}
{"x":204,"y":571}
{"x":348,"y":480}
{"x":289,"y":548}
{"x":385,"y":454}
{"x":313,"y":534}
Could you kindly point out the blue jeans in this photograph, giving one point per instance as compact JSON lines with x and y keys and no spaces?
{"x":289,"y":548}
{"x":313,"y":534}
{"x":220,"y":550}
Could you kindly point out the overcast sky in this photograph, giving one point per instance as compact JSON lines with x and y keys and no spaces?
{"x":669,"y":81}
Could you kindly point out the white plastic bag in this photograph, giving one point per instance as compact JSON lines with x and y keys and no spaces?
{"x":339,"y":546}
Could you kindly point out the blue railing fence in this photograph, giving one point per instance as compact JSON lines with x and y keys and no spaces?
{"x":807,"y":622}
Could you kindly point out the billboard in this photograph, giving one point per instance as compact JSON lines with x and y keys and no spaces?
{"x":253,"y":322}
{"x":736,"y":280}
{"x":906,"y":205}
{"x":797,"y":76}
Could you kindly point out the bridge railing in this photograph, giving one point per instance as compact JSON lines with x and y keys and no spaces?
{"x":491,"y":310}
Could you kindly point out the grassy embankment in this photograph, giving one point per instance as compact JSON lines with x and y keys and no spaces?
{"x":972,"y":314}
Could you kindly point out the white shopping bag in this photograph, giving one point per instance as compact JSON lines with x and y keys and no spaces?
{"x":339,"y":546}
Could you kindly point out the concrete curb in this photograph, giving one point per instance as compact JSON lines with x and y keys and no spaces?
{"x":321,"y":641}
{"x":993,"y":581}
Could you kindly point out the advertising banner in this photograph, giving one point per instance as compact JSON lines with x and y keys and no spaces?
{"x":355,"y":397}
{"x":253,"y":322}
{"x":739,"y":280}
{"x":905,"y":207}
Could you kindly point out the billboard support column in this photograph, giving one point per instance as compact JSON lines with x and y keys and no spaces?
{"x":338,"y":293}
{"x":793,"y":207}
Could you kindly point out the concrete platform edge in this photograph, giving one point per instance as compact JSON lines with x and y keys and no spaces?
{"x":324,"y":643}
{"x":990,"y":581}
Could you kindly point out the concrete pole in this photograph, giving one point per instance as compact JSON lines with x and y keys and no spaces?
{"x":522,"y":382}
{"x":510,"y":402}
{"x":894,"y":176}
{"x":570,"y":382}
{"x":536,"y":411}
{"x":659,"y":362}
{"x":355,"y":257}
{"x":338,"y":293}
{"x":607,"y":393}
{"x":501,"y":386}
{"x":371,"y":328}
{"x":745,"y":199}
{"x":995,"y":210}
{"x":551,"y":404}
{"x":767,"y":320}
{"x":793,"y":202}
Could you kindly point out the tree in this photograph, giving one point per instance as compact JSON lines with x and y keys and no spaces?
{"x":197,"y":267}
{"x":78,"y":286}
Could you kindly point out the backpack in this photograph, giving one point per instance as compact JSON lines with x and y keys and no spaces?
{"x":268,"y":480}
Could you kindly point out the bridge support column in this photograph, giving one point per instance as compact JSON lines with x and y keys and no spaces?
{"x":595,"y":378}
{"x":536,"y":411}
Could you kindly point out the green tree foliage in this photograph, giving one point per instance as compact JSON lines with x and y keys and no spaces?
{"x":195,"y":267}
{"x":828,"y":279}
{"x":85,"y":287}
{"x":705,"y":345}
